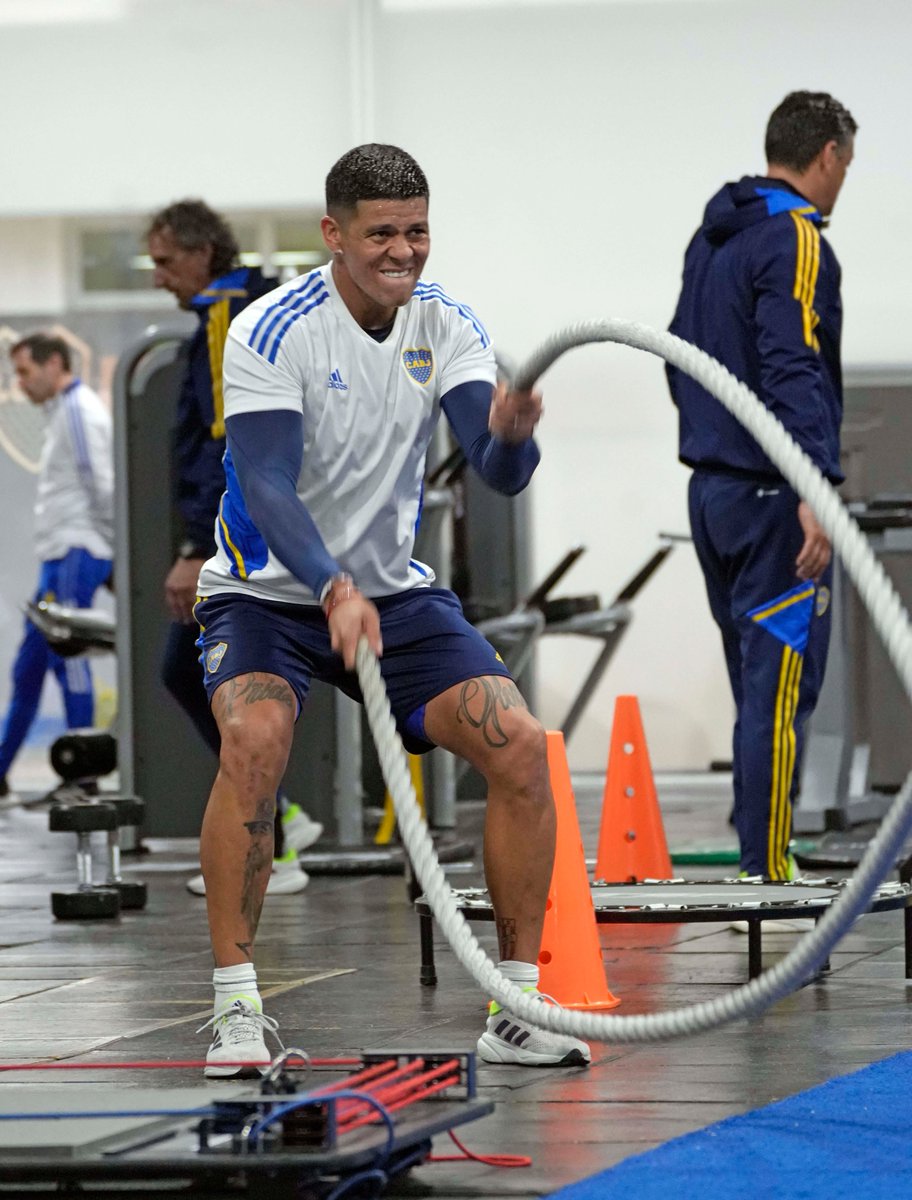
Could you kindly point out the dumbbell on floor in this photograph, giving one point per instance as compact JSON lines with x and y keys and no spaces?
{"x":130,"y":811}
{"x":90,"y":900}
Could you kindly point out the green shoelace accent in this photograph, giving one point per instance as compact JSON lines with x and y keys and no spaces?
{"x":494,"y":1008}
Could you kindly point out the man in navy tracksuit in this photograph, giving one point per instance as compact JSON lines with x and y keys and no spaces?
{"x":195,"y":254}
{"x":761,"y":294}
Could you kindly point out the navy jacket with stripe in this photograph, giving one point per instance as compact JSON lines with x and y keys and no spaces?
{"x":198,"y":478}
{"x":761,"y":293}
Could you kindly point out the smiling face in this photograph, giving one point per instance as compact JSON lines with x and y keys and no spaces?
{"x":379,"y":251}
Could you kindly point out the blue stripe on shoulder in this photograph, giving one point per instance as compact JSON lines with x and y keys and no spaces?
{"x":433,"y":291}
{"x":272,"y":315}
{"x":324,"y":295}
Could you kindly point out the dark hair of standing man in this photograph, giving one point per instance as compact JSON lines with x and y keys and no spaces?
{"x":194,"y":225}
{"x":803,"y":124}
{"x":43,"y":346}
{"x":373,"y":172}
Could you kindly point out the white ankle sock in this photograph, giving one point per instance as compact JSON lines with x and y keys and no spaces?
{"x":236,"y":983}
{"x":523,"y":974}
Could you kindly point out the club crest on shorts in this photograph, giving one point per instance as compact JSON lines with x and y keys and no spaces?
{"x":214,"y":657}
{"x":823,"y":600}
{"x":419,"y":363}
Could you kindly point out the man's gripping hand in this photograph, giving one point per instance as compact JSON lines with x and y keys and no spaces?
{"x":514,"y":415}
{"x":349,"y":615}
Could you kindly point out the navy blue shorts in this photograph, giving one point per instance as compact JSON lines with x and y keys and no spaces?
{"x":428,"y":646}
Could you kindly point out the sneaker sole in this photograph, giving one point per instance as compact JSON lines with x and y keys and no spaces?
{"x":499,"y":1053}
{"x":212,"y":1071}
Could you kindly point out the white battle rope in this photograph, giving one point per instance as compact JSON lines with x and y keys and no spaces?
{"x":889,"y":619}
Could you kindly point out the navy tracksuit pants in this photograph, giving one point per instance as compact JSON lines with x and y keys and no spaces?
{"x":71,"y":581}
{"x":775,"y":633}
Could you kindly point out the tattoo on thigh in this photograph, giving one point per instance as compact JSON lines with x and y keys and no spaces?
{"x":267,"y":689}
{"x":479,"y":701}
{"x":223,"y":701}
{"x":506,"y":936}
{"x":250,"y":692}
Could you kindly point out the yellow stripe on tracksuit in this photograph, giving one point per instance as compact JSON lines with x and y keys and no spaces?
{"x":783,"y":765}
{"x":807,"y":266}
{"x":238,"y":558}
{"x":216,"y":335}
{"x":787,"y":603}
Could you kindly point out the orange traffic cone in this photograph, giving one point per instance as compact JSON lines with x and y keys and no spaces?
{"x":632,"y":842}
{"x":570,"y":959}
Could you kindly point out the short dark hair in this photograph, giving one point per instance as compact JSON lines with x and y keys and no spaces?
{"x":42,"y":345}
{"x":374,"y":172}
{"x":802,"y":125}
{"x":195,"y":225}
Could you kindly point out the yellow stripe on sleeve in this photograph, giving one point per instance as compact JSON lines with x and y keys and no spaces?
{"x":807,"y":266}
{"x":216,"y":335}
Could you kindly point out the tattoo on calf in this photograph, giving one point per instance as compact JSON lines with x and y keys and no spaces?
{"x":506,"y":936}
{"x":259,"y":858}
{"x":246,"y":948}
{"x":479,"y":700}
{"x":264,"y":821}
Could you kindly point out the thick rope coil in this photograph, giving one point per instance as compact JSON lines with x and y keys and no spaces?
{"x":889,"y":619}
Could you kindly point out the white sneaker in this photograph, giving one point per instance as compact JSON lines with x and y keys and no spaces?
{"x":288,"y":877}
{"x":507,"y":1039}
{"x":778,"y":925}
{"x":300,"y":829}
{"x":238,"y":1039}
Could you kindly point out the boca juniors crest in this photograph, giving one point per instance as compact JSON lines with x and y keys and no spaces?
{"x":214,"y":657}
{"x":419,"y":363}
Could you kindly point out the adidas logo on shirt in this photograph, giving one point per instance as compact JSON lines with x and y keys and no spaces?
{"x":335,"y":381}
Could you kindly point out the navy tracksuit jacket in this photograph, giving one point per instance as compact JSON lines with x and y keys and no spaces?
{"x":197,"y":474}
{"x":760,"y":293}
{"x":198,"y":439}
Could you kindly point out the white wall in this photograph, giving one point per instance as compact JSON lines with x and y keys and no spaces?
{"x":571,"y":148}
{"x":32,"y":265}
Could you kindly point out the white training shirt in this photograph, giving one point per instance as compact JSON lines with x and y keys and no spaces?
{"x":369,"y":411}
{"x":75,"y":503}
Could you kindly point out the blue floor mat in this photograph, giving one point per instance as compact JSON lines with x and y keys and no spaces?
{"x":849,"y":1139}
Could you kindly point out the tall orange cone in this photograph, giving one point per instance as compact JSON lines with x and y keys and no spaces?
{"x":570,"y":959}
{"x":632,"y":842}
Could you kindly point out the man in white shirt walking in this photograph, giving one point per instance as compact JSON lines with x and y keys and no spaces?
{"x":74,"y":529}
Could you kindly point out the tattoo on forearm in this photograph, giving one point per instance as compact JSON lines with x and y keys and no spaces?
{"x":506,"y":937}
{"x":479,"y":702}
